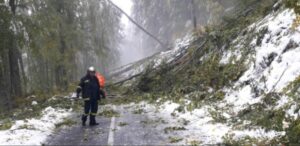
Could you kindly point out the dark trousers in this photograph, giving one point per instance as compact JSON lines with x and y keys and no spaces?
{"x":91,"y":107}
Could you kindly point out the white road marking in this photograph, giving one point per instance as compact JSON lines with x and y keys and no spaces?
{"x":111,"y":130}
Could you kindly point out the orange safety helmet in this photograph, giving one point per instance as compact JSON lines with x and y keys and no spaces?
{"x":101,"y":80}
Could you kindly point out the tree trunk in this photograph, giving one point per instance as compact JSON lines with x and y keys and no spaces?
{"x":6,"y":81}
{"x":193,"y":14}
{"x":61,"y":73}
{"x":16,"y":84}
{"x":23,"y":73}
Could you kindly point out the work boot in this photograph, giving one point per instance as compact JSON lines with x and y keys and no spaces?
{"x":83,"y":119}
{"x":93,"y":121}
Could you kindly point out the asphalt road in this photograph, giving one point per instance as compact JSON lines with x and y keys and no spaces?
{"x":127,"y":129}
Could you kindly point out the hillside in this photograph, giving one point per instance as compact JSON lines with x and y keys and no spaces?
{"x":245,"y":92}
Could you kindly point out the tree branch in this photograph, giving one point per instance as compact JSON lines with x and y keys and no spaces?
{"x":139,"y":26}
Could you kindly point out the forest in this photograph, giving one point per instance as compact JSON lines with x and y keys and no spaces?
{"x":177,"y":72}
{"x":48,"y":44}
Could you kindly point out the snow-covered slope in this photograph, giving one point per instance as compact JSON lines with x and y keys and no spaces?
{"x":274,"y":62}
{"x":276,"y":57}
{"x":271,"y":52}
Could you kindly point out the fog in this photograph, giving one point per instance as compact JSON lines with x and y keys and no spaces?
{"x":129,"y":47}
{"x":167,"y":20}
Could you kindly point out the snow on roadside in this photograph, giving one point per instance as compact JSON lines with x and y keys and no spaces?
{"x":201,"y":125}
{"x":34,"y":131}
{"x":256,"y":133}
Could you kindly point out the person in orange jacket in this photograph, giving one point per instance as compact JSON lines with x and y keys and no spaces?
{"x":91,"y":93}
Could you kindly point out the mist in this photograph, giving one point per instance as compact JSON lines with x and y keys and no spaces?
{"x":167,"y":20}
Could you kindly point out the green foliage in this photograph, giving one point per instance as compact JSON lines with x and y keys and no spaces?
{"x":65,"y":122}
{"x":138,"y":111}
{"x":258,"y":114}
{"x":175,"y":139}
{"x":293,"y":132}
{"x":249,"y":141}
{"x":122,"y":124}
{"x":26,"y":126}
{"x":195,"y":143}
{"x":293,"y":87}
{"x":171,"y":129}
{"x":156,"y":80}
{"x":271,"y":98}
{"x":217,"y":116}
{"x":293,"y":4}
{"x":25,"y":109}
{"x":108,"y":113}
{"x":6,"y":124}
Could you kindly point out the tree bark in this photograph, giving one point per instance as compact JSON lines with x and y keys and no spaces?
{"x":194,"y":15}
{"x":61,"y":74}
{"x":22,"y":72}
{"x":6,"y":81}
{"x":16,"y":89}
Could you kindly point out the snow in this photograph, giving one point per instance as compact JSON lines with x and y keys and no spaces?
{"x":281,"y":71}
{"x":257,"y":133}
{"x":241,"y":97}
{"x":284,"y":68}
{"x":34,"y":103}
{"x":271,"y":68}
{"x":227,"y":56}
{"x":33,"y":131}
{"x":129,"y":70}
{"x":283,"y":101}
{"x":291,"y":112}
{"x":264,"y":75}
{"x":201,"y":125}
{"x":169,"y":107}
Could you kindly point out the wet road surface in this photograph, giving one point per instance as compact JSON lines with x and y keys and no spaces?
{"x":127,"y":129}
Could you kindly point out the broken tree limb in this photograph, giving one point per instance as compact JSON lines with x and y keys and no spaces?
{"x":176,"y":64}
{"x":274,"y":86}
{"x":127,"y":79}
{"x":138,"y":25}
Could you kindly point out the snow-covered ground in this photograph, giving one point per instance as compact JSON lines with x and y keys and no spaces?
{"x":199,"y":124}
{"x":34,"y":131}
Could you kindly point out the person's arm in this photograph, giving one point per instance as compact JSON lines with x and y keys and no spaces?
{"x":99,"y":88}
{"x":79,"y":88}
{"x":102,"y":93}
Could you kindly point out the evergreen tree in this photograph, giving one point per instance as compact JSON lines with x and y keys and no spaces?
{"x":47,"y":44}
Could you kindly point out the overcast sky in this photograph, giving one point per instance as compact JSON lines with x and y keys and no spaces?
{"x":125,"y":5}
{"x":129,"y":49}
